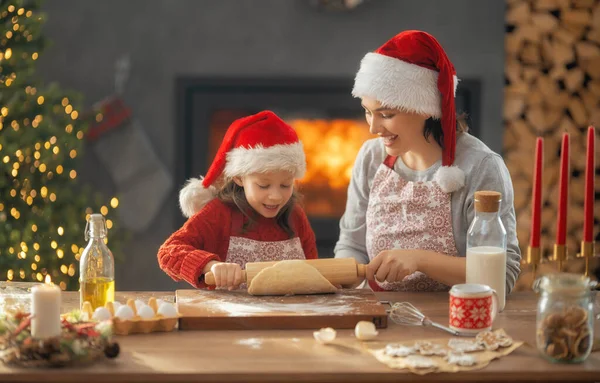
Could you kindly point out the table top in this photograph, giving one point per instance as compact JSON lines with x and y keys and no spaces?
{"x":285,"y":355}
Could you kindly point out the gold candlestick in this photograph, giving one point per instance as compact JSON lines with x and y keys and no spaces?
{"x":533,"y":259}
{"x":587,"y":252}
{"x":560,"y":256}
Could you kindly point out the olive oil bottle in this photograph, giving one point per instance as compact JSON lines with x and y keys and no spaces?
{"x":97,"y":265}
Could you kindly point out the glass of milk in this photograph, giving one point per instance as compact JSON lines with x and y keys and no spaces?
{"x":486,"y":245}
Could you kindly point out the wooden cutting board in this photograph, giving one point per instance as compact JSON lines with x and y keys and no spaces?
{"x":236,"y":310}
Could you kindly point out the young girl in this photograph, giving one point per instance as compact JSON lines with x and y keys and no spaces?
{"x":253,"y":216}
{"x":410,"y":200}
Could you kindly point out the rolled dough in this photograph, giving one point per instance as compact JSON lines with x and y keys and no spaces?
{"x":290,"y":278}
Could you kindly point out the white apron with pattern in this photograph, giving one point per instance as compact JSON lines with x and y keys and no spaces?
{"x":243,"y":250}
{"x":408,"y":215}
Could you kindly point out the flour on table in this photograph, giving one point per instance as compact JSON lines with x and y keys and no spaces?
{"x":254,"y":343}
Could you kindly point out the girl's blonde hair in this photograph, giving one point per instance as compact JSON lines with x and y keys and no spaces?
{"x":233,"y":194}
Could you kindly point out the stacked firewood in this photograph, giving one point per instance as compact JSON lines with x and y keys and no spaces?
{"x":552,"y":74}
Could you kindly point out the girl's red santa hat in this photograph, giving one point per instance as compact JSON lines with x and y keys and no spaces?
{"x":411,"y":72}
{"x":255,"y":144}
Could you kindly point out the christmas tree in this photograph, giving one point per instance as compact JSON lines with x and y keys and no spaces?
{"x":43,"y":209}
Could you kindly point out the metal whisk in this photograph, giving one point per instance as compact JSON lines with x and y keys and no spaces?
{"x":406,"y":314}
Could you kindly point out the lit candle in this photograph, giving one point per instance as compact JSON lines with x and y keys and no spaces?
{"x":45,"y":309}
{"x":563,"y":195}
{"x":536,"y":207}
{"x":590,"y":168}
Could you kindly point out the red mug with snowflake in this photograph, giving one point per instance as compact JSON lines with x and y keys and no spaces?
{"x":473,"y":308}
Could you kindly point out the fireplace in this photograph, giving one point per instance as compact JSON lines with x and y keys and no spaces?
{"x":328,"y":120}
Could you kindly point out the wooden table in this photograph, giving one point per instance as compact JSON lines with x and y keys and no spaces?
{"x":293,"y":355}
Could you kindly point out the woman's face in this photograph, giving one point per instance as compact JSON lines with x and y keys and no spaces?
{"x":401,"y":131}
{"x":267,"y":193}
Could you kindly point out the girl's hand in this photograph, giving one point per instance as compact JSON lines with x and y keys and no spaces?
{"x":227,"y":275}
{"x":393,"y":265}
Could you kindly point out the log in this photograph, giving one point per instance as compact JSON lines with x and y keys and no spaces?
{"x":545,"y":5}
{"x":592,"y":67}
{"x":564,"y":36}
{"x":513,"y":107}
{"x":566,"y":126}
{"x":594,"y":35}
{"x":547,"y":50}
{"x":530,"y":54}
{"x":516,"y":90}
{"x":530,"y":74}
{"x":594,"y":88}
{"x":576,"y":30}
{"x":513,"y":71}
{"x":512,"y":44}
{"x":577,"y":189}
{"x":575,"y":216}
{"x":545,"y":22}
{"x":536,"y":117}
{"x":511,"y":140}
{"x":578,"y":112}
{"x":547,"y":86}
{"x":558,"y":101}
{"x":590,"y":100}
{"x":535,"y":98}
{"x":518,"y":14}
{"x":522,"y":192}
{"x":584,"y":3}
{"x":558,"y":72}
{"x":579,"y":17}
{"x":525,"y":134}
{"x":586,"y":50}
{"x":574,"y":79}
{"x":563,"y":53}
{"x":529,"y":33}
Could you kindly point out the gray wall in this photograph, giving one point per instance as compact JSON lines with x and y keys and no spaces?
{"x":244,"y":38}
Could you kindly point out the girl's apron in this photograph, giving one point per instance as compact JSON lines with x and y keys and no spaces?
{"x":243,"y":250}
{"x":408,"y":215}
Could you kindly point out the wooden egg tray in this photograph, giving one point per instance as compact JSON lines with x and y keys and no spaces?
{"x":137,"y":325}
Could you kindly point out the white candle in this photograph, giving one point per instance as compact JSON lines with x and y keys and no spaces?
{"x":45,"y":308}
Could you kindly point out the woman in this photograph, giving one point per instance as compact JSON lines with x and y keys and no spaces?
{"x":410,"y":200}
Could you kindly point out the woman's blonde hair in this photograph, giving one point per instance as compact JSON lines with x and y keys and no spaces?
{"x":233,"y":194}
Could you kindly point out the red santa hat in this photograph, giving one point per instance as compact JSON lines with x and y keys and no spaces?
{"x":256,"y":144}
{"x":411,"y":72}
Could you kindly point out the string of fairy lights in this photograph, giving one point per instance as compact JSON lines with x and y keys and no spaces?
{"x":37,"y":160}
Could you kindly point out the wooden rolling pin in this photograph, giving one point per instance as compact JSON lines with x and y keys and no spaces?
{"x":338,"y":271}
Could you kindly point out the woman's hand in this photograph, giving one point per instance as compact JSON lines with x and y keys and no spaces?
{"x":227,"y":275}
{"x":393,"y":265}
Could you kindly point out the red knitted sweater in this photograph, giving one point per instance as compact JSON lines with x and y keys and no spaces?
{"x":205,"y":237}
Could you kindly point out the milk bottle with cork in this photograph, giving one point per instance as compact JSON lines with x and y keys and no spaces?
{"x":486,"y":245}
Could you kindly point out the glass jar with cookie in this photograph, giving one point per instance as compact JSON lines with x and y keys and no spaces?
{"x":565,"y":317}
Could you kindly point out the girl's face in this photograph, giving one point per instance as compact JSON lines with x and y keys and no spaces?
{"x":401,"y":131}
{"x":268,"y":192}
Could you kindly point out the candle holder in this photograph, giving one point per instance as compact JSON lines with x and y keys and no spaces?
{"x":560,"y":256}
{"x":79,"y":343}
{"x":534,"y":259}
{"x":587,"y":252}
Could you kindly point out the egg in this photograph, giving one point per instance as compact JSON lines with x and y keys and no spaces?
{"x":101,"y":314}
{"x":145,"y":312}
{"x":167,"y":310}
{"x":139,"y":304}
{"x":365,"y":330}
{"x":124,"y":313}
{"x":116,"y":305}
{"x":325,"y":335}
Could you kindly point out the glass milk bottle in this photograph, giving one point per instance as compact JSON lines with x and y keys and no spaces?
{"x":97,"y":265}
{"x":486,"y":245}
